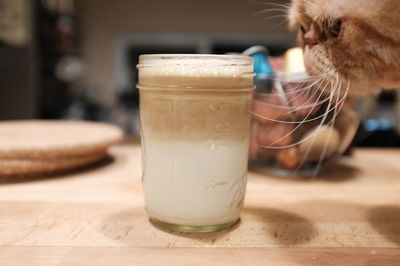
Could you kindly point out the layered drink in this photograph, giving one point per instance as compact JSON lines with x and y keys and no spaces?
{"x":194,"y":112}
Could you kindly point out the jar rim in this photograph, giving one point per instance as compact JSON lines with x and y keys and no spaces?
{"x":152,"y":60}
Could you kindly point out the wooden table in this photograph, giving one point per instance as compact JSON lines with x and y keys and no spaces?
{"x":351,"y":216}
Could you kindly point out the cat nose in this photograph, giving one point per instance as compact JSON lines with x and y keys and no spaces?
{"x":310,"y":39}
{"x":310,"y":42}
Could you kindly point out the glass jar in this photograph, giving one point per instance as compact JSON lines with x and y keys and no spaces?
{"x":298,"y":130}
{"x":195,"y":120}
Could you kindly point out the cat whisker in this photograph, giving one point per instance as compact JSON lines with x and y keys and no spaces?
{"x":281,"y":73}
{"x":266,"y":11}
{"x":294,"y":122}
{"x":305,"y":156}
{"x":310,"y":87}
{"x":323,"y":116}
{"x":301,"y":94}
{"x":284,"y":10}
{"x":280,"y":24}
{"x":300,"y":86}
{"x":305,"y":118}
{"x":332,"y":122}
{"x":286,"y":6}
{"x":288,"y":134}
{"x":281,"y":106}
{"x":328,"y":139}
{"x":316,"y":103}
{"x":277,"y":93}
{"x":319,"y":102}
{"x":274,"y":17}
{"x":308,"y":3}
{"x":297,"y":127}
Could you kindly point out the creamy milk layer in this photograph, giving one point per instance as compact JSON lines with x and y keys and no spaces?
{"x":194,"y":183}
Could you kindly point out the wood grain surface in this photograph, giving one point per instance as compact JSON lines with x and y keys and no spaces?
{"x":349,"y":216}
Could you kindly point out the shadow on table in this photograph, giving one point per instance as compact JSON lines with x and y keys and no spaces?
{"x":386,"y":220}
{"x":123,"y":226}
{"x":102,"y":163}
{"x":283,"y":227}
{"x":259,"y":227}
{"x":208,"y":238}
{"x":335,"y":172}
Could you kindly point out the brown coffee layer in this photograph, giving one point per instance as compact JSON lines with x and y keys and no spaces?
{"x":195,"y":115}
{"x":241,"y":82}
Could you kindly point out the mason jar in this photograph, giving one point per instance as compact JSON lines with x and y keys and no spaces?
{"x":195,"y":121}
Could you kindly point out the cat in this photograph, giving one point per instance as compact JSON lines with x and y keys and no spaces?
{"x":354,"y":41}
{"x":350,"y":47}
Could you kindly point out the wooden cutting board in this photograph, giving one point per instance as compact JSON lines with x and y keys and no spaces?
{"x":350,"y":216}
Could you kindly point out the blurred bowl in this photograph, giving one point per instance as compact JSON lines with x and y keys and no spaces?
{"x":297,"y":129}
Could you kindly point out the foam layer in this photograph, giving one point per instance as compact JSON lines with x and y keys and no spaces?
{"x":195,"y":65}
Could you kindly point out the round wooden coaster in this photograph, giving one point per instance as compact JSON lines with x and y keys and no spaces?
{"x":55,"y":139}
{"x":13,"y":167}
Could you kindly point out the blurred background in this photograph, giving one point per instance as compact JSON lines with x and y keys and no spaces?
{"x":75,"y":59}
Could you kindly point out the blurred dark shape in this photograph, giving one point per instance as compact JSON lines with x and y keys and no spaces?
{"x":378,"y":138}
{"x":378,"y":128}
{"x":58,"y":42}
{"x":83,"y":109}
{"x":18,"y":77}
{"x":17,"y":89}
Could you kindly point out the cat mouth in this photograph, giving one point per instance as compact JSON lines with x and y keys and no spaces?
{"x":329,"y":77}
{"x":321,"y":71}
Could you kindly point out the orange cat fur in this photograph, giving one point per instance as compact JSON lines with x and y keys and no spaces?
{"x":359,"y":40}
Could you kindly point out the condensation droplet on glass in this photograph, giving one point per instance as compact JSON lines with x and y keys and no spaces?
{"x":212,"y":146}
{"x":223,"y":126}
{"x":213,"y":108}
{"x":211,"y":186}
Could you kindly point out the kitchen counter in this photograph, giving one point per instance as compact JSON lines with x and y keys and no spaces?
{"x":349,"y":216}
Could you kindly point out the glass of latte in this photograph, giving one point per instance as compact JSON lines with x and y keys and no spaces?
{"x":195,"y":119}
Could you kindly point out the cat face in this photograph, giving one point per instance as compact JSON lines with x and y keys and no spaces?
{"x":356,"y":41}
